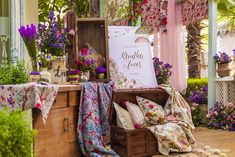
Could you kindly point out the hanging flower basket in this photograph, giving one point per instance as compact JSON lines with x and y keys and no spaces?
{"x":223,"y":70}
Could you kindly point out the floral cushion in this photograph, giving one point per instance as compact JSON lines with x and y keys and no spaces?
{"x":153,"y":113}
{"x":137,"y":115}
{"x":123,"y":118}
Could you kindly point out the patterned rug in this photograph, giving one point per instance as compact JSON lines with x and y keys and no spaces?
{"x":205,"y":151}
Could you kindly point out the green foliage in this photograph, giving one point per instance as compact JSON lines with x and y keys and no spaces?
{"x":81,"y":7}
{"x":45,"y":6}
{"x":197,"y":115}
{"x":195,"y":84}
{"x":15,"y":134}
{"x":226,"y":12}
{"x":13,"y":74}
{"x":60,"y":7}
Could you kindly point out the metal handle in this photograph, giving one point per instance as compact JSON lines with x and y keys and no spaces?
{"x":66,"y":124}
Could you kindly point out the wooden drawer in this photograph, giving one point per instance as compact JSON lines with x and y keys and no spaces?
{"x":74,"y":98}
{"x":61,"y":100}
{"x":51,"y":136}
{"x":73,"y":115}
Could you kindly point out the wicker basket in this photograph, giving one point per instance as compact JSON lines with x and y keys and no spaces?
{"x":223,"y":70}
{"x":138,"y":142}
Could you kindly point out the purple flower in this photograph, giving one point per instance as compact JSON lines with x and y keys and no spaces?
{"x":162,"y":71}
{"x":51,"y":15}
{"x":222,"y":58}
{"x":35,"y":73}
{"x":101,"y":69}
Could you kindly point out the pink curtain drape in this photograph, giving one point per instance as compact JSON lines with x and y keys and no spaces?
{"x":172,"y":48}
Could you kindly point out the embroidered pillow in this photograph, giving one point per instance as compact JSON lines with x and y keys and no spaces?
{"x":137,"y":115}
{"x":123,"y":118}
{"x":153,"y":113}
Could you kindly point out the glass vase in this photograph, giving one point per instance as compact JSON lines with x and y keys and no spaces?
{"x":84,"y":76}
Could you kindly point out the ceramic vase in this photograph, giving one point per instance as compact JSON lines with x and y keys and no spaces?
{"x":45,"y":75}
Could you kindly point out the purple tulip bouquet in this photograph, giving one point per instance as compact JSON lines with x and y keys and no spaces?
{"x":29,"y":34}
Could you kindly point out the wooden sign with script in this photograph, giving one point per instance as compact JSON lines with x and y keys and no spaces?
{"x":131,"y":65}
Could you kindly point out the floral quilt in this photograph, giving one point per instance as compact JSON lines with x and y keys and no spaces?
{"x":28,"y":96}
{"x":93,"y":119}
{"x":175,"y":134}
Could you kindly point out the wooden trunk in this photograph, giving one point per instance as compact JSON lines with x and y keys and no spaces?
{"x":58,"y":137}
{"x":138,"y":142}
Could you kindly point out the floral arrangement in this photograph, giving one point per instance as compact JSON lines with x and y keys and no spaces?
{"x":222,"y":117}
{"x":162,"y":71}
{"x":44,"y":60}
{"x":52,"y":38}
{"x":85,"y":61}
{"x":199,"y":96}
{"x":101,"y":72}
{"x":29,"y":34}
{"x":137,"y":10}
{"x":222,"y":58}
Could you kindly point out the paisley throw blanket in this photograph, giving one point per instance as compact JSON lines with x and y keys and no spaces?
{"x":93,"y":119}
{"x":175,"y":135}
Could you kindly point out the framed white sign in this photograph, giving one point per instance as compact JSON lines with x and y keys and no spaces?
{"x":131,"y":65}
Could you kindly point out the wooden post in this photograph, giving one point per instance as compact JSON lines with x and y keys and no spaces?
{"x":212,"y":52}
{"x":72,"y":48}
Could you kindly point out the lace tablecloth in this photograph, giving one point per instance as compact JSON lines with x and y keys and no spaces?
{"x":28,"y":96}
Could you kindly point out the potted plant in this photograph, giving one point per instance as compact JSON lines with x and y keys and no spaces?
{"x":223,"y":60}
{"x":52,"y":39}
{"x":13,"y":74}
{"x":73,"y":76}
{"x":162,"y":71}
{"x":86,"y":64}
{"x":198,"y":100}
{"x":15,"y":133}
{"x":29,"y":34}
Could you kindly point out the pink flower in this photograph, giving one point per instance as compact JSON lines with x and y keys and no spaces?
{"x":150,"y":106}
{"x":230,"y":106}
{"x":38,"y":105}
{"x":84,"y":51}
{"x":137,"y":126}
{"x":72,"y":32}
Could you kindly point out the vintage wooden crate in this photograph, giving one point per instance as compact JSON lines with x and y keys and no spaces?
{"x":138,"y":142}
{"x":92,"y":31}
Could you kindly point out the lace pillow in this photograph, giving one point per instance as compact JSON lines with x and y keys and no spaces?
{"x":123,"y":118}
{"x":137,"y":115}
{"x":153,"y":113}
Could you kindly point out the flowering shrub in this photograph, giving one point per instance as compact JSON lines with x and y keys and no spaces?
{"x":51,"y":37}
{"x":222,"y":58}
{"x":85,"y":61}
{"x":162,"y":71}
{"x":222,"y":117}
{"x":200,"y":96}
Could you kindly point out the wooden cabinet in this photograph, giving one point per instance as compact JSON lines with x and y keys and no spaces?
{"x":58,"y":137}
